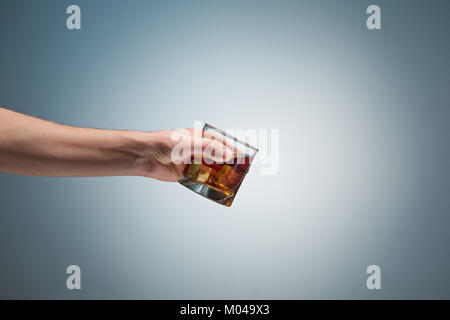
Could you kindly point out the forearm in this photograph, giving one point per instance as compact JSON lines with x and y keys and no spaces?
{"x":34,"y":146}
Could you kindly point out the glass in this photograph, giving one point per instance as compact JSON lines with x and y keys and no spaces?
{"x":219,"y":181}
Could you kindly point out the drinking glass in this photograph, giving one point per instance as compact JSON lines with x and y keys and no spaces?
{"x":219,"y":181}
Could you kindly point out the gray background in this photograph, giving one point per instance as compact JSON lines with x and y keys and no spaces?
{"x":364,"y":156}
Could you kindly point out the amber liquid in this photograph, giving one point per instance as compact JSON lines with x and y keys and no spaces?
{"x":216,"y":181}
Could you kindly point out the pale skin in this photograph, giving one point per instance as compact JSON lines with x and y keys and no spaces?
{"x":37,"y":147}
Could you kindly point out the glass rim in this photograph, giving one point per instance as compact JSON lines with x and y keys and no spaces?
{"x":222,"y":132}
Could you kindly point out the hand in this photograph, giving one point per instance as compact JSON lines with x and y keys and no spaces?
{"x":157,"y":158}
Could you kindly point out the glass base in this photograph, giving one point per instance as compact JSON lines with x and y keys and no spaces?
{"x":216,"y":195}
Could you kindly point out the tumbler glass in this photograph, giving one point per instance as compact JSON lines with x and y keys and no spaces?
{"x":219,"y":181}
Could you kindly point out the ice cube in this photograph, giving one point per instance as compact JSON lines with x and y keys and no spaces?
{"x":203,"y":174}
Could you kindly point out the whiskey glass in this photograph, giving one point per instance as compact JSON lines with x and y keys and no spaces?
{"x":219,"y":181}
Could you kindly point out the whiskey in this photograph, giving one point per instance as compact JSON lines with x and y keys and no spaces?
{"x":216,"y":181}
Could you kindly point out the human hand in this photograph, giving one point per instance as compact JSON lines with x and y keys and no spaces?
{"x":160,"y":160}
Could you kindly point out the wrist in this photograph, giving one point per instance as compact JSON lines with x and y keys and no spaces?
{"x":145,"y":150}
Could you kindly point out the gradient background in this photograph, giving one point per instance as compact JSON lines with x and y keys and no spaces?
{"x":364,"y":153}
